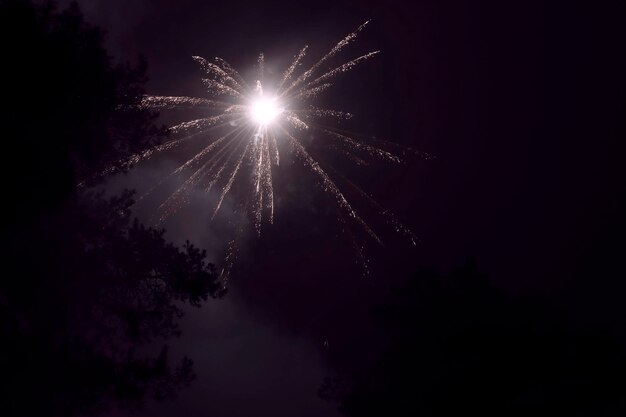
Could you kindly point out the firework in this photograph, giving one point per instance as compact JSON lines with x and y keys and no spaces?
{"x":253,"y":119}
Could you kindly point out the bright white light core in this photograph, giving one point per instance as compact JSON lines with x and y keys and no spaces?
{"x":264,"y":110}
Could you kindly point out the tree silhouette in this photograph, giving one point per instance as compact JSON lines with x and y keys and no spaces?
{"x":87,"y":293}
{"x":456,"y":345}
{"x":67,"y":112}
{"x":92,"y":288}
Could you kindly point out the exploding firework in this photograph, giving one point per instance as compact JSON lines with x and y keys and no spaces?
{"x":252,"y":119}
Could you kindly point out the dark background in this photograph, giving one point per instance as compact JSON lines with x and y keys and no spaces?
{"x":522,"y":106}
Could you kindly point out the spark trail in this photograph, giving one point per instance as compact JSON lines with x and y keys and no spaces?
{"x":252,"y":122}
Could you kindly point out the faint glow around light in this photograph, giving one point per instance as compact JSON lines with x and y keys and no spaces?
{"x":263,"y":110}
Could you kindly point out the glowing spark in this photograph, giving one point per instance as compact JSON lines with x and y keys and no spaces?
{"x":264,"y":110}
{"x":252,"y":123}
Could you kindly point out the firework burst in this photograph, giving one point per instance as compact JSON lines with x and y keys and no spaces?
{"x":243,"y":126}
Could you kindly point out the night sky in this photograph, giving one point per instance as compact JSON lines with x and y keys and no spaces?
{"x":520,"y":105}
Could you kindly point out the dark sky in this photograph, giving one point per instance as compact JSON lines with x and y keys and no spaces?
{"x":516,"y":101}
